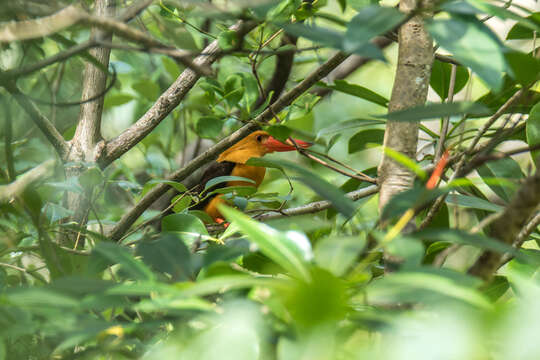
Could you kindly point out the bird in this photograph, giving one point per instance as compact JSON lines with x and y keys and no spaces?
{"x":232,"y":162}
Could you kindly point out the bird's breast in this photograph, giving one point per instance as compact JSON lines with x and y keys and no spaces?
{"x":255,"y":173}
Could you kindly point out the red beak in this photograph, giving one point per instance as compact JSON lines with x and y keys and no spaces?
{"x":275,"y":145}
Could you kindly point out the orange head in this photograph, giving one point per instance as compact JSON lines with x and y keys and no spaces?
{"x":257,"y":144}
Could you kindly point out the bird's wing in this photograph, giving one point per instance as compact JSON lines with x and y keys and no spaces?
{"x":215,"y":170}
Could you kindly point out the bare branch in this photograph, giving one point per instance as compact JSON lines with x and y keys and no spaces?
{"x":48,"y":129}
{"x":285,"y":100}
{"x":11,"y":191}
{"x":166,"y":102}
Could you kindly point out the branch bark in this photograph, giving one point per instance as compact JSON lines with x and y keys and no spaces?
{"x":45,"y":125}
{"x":84,"y":145}
{"x":285,"y":100}
{"x":508,"y":226}
{"x":410,"y":89}
{"x":166,"y":102}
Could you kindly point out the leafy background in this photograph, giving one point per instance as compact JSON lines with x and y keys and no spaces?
{"x":315,"y":286}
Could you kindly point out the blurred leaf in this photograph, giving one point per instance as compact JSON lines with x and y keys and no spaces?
{"x":406,"y":250}
{"x":437,"y":110}
{"x":323,"y":188}
{"x":533,"y":131}
{"x":56,"y":212}
{"x":228,"y":40}
{"x":222,"y":179}
{"x":455,"y":236}
{"x":406,"y":286}
{"x":147,"y":88}
{"x":338,"y":253}
{"x":406,"y":162}
{"x":356,"y":90}
{"x":91,"y":178}
{"x":209,"y":127}
{"x":116,"y":100}
{"x":506,"y":169}
{"x":496,"y":288}
{"x":236,"y":190}
{"x":471,"y":42}
{"x":323,"y":36}
{"x":362,"y":139}
{"x":341,"y":127}
{"x":40,"y":299}
{"x":369,"y":22}
{"x":440,"y":78}
{"x":291,"y":252}
{"x":120,"y":255}
{"x":167,"y":254}
{"x":519,"y":31}
{"x":472,"y":202}
{"x":524,"y":67}
{"x":410,"y":199}
{"x":183,"y":224}
{"x":152,"y":183}
{"x":171,"y":67}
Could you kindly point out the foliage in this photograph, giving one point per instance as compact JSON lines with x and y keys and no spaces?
{"x":330,"y":284}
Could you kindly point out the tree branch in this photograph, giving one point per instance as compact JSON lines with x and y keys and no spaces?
{"x":47,"y":127}
{"x":10,"y":191}
{"x":285,"y":100}
{"x":166,"y":102}
{"x":317,"y":205}
{"x":508,"y":226}
{"x":410,"y":89}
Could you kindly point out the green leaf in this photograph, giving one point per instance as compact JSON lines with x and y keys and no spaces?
{"x":183,"y":224}
{"x":236,"y":190}
{"x":117,"y":254}
{"x":362,"y":139}
{"x":228,"y":40}
{"x":406,"y":286}
{"x":171,"y":67}
{"x":91,"y":178}
{"x":356,"y":90}
{"x":343,"y":126}
{"x":456,"y":236}
{"x":506,"y":169}
{"x":280,"y":132}
{"x":368,"y":23}
{"x":117,"y":100}
{"x":435,"y":111}
{"x":209,"y":127}
{"x":338,"y":253}
{"x":471,"y":42}
{"x":316,"y":34}
{"x":406,"y":162}
{"x":496,"y":288}
{"x":40,"y":298}
{"x":520,"y":31}
{"x":525,"y":67}
{"x":152,"y":183}
{"x":147,"y":88}
{"x":323,"y":188}
{"x":472,"y":202}
{"x":289,"y":250}
{"x":167,"y":254}
{"x":56,"y":212}
{"x":222,"y":179}
{"x":410,"y":199}
{"x":533,"y":132}
{"x":181,"y":202}
{"x":440,"y":78}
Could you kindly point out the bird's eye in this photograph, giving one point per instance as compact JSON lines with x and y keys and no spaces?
{"x":259,"y":138}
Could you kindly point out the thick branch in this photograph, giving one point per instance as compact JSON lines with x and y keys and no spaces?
{"x":166,"y":103}
{"x":410,"y":89}
{"x":285,"y":100}
{"x":509,"y":225}
{"x":88,"y":132}
{"x":48,"y":129}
